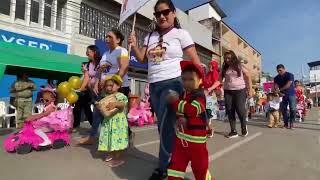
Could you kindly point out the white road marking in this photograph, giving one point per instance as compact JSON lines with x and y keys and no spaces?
{"x":144,"y":129}
{"x":230,"y":148}
{"x":147,"y":143}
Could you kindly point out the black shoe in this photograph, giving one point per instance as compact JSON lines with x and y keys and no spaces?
{"x":158,"y":174}
{"x":245,"y":132}
{"x":232,"y":135}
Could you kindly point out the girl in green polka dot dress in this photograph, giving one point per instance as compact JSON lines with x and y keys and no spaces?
{"x":114,"y":131}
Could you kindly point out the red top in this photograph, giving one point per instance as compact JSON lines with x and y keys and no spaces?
{"x":212,"y":76}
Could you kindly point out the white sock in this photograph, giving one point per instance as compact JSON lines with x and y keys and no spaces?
{"x":43,"y":135}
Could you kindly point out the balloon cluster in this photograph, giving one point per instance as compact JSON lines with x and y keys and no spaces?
{"x":67,"y":89}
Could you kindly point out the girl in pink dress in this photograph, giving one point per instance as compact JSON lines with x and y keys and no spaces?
{"x":301,"y":108}
{"x":51,"y":119}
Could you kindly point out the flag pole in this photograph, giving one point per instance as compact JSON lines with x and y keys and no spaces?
{"x":133,"y":26}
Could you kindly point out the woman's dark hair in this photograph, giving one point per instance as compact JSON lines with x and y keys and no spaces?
{"x":97,"y":55}
{"x":171,"y":6}
{"x":235,"y":63}
{"x":20,"y":75}
{"x":118,"y":34}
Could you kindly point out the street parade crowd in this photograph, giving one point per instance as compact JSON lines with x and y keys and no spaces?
{"x":182,"y":97}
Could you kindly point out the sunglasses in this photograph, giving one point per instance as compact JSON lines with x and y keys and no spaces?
{"x":164,"y":13}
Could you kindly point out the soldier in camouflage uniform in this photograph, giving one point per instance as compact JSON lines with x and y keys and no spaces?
{"x":23,"y":88}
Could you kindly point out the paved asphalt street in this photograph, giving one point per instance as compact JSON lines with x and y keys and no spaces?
{"x":266,"y":154}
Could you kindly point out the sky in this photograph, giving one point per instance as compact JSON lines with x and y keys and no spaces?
{"x":283,"y":31}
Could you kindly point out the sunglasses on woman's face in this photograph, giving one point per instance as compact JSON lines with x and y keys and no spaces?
{"x":163,"y":12}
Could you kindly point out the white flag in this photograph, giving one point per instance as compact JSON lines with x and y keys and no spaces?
{"x":129,"y":7}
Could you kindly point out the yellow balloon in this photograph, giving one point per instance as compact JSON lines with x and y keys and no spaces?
{"x":75,"y":82}
{"x":64,"y":88}
{"x":72,"y":97}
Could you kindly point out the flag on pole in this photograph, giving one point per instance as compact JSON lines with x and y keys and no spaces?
{"x":130,"y":7}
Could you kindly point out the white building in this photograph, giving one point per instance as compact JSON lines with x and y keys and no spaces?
{"x":210,"y":15}
{"x":314,"y":78}
{"x":69,"y":26}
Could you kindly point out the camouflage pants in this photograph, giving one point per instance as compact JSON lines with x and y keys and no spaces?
{"x":24,"y":110}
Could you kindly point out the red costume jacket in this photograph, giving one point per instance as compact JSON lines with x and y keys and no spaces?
{"x":192,"y":107}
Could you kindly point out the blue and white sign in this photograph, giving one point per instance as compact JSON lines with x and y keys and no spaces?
{"x":133,"y":61}
{"x":24,"y":40}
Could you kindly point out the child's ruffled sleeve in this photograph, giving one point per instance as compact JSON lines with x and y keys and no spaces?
{"x":122,"y":98}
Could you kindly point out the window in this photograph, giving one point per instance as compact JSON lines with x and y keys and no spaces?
{"x":60,"y":13}
{"x":315,"y":67}
{"x":34,"y":11}
{"x":5,"y":7}
{"x":20,"y":9}
{"x":47,"y":13}
{"x":139,"y":88}
{"x":95,"y":24}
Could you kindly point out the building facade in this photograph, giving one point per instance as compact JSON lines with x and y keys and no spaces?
{"x":72,"y":25}
{"x":210,"y":15}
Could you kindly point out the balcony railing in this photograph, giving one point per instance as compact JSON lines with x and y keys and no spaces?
{"x":96,"y":24}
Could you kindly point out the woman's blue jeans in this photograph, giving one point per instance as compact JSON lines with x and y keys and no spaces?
{"x":97,"y":117}
{"x":158,"y":93}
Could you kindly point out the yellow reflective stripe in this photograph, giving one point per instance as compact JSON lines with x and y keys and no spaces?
{"x":190,"y":138}
{"x":177,"y":174}
{"x":197,"y":105}
{"x":181,"y":106}
{"x":180,"y":114}
{"x":208,"y":176}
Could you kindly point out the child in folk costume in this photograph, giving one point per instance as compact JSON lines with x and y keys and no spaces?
{"x":114,"y":131}
{"x":213,"y":88}
{"x":251,"y":106}
{"x":192,"y":126}
{"x":301,"y":106}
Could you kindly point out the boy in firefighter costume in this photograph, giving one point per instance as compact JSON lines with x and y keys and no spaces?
{"x":192,"y":126}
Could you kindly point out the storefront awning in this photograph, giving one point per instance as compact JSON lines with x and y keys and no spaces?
{"x":38,"y":62}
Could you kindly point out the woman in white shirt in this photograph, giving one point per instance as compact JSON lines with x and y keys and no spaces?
{"x":163,"y":50}
{"x":114,"y":61}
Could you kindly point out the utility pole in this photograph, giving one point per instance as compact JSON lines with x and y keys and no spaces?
{"x":316,"y":89}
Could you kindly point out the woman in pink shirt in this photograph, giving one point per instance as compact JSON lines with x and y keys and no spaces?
{"x":237,"y":85}
{"x":84,"y":102}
